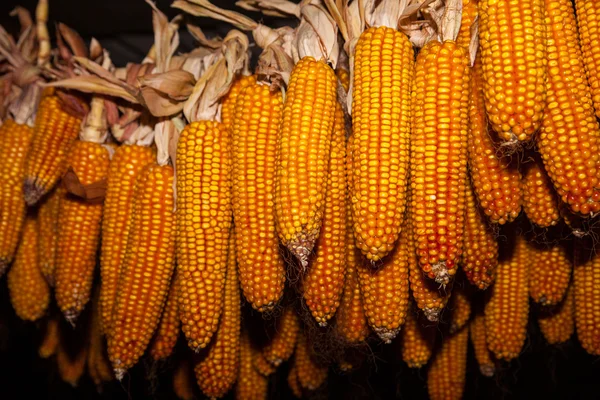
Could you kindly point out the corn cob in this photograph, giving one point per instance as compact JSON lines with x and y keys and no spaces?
{"x":496,"y":181}
{"x":549,"y":274}
{"x":48,"y":233}
{"x":261,"y":364}
{"x":324,"y":281}
{"x":71,"y":366}
{"x":254,"y":145}
{"x":344,"y":77}
{"x":469,"y":16}
{"x":569,"y":137}
{"x":446,"y":376}
{"x":125,"y":167}
{"x":250,"y":384}
{"x":167,"y":332}
{"x":217,"y":373}
{"x":439,"y":157}
{"x":557,"y":323}
{"x":98,"y":365}
{"x":51,"y":338}
{"x":417,"y":341}
{"x":383,"y":74}
{"x":28,"y":290}
{"x":478,"y":339}
{"x":540,"y":201}
{"x":183,"y":385}
{"x":507,"y":310}
{"x":480,"y":253}
{"x":587,"y":304}
{"x":147,"y":268}
{"x":55,"y":130}
{"x":460,"y":308}
{"x":229,"y":103}
{"x":203,"y":222}
{"x":303,"y":155}
{"x":16,"y":141}
{"x":512,"y":39}
{"x":283,"y":343}
{"x":587,"y":18}
{"x":293,"y":383}
{"x":311,"y":374}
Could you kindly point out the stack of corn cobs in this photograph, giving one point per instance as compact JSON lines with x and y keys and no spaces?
{"x":350,"y":186}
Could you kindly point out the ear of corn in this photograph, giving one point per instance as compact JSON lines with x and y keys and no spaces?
{"x":183,"y":384}
{"x":125,"y":166}
{"x":261,"y":364}
{"x":48,"y":233}
{"x":16,"y":141}
{"x":147,"y":268}
{"x":344,"y":77}
{"x":303,"y":155}
{"x":478,"y":339}
{"x":440,"y":99}
{"x":99,"y":367}
{"x":557,"y":323}
{"x":51,"y":338}
{"x":229,"y":103}
{"x":512,"y":39}
{"x":507,"y":310}
{"x":203,"y":222}
{"x":283,"y":343}
{"x":254,"y":146}
{"x":55,"y":130}
{"x":311,"y":374}
{"x":71,"y":366}
{"x":292,"y":380}
{"x":460,"y":308}
{"x":218,"y":371}
{"x":468,"y":17}
{"x":417,"y":341}
{"x":587,"y":18}
{"x":167,"y":332}
{"x":549,"y":273}
{"x":447,"y":373}
{"x":587,"y":303}
{"x":540,"y":201}
{"x":250,"y":384}
{"x":383,"y":74}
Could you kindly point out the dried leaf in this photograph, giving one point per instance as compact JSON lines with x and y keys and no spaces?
{"x":275,"y":8}
{"x":75,"y":42}
{"x":317,"y":35}
{"x":93,"y":193}
{"x":198,"y":34}
{"x":94,"y":84}
{"x":165,"y":93}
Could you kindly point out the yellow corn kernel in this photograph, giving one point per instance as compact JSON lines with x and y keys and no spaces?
{"x":549,"y":273}
{"x":440,"y":107}
{"x":311,"y":374}
{"x":292,"y":380}
{"x":261,"y":364}
{"x":229,"y":103}
{"x":250,"y":384}
{"x":283,"y":343}
{"x":557,"y":323}
{"x":303,"y":155}
{"x":417,"y":341}
{"x":125,"y":167}
{"x":512,"y":40}
{"x":540,"y":201}
{"x":183,"y":384}
{"x":468,"y":18}
{"x":482,"y":354}
{"x":447,"y":373}
{"x":588,"y":16}
{"x":587,"y":303}
{"x":147,"y":268}
{"x":55,"y":130}
{"x":167,"y":332}
{"x":253,"y":152}
{"x":460,"y":308}
{"x":48,"y":233}
{"x":383,"y":74}
{"x":218,"y":371}
{"x":51,"y":338}
{"x":507,"y":309}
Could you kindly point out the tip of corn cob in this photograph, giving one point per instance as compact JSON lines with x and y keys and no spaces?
{"x":119,"y":373}
{"x":487,"y":370}
{"x":441,"y":273}
{"x":71,"y":317}
{"x":432,"y":314}
{"x":301,"y":248}
{"x":386,"y":335}
{"x":32,"y":193}
{"x":3,"y":265}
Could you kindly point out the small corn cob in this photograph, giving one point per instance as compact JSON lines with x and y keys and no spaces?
{"x":253,"y":147}
{"x":183,"y":384}
{"x":383,"y":74}
{"x":218,"y":371}
{"x":558,"y":323}
{"x":323,"y":283}
{"x":549,"y":273}
{"x":469,"y":16}
{"x":147,"y":268}
{"x":261,"y":364}
{"x":587,"y":18}
{"x":587,"y":304}
{"x":203,"y":222}
{"x":55,"y":130}
{"x":48,"y":233}
{"x":250,"y":384}
{"x":51,"y":338}
{"x":540,"y":201}
{"x":79,"y":232}
{"x":482,"y":354}
{"x":507,"y":310}
{"x":480,"y":252}
{"x":344,"y":77}
{"x":167,"y":332}
{"x":98,"y":365}
{"x":125,"y":167}
{"x":512,"y":39}
{"x":303,"y":155}
{"x":460,"y":309}
{"x":28,"y":290}
{"x":16,"y":141}
{"x":496,"y":181}
{"x":417,"y":341}
{"x":569,"y":137}
{"x":283,"y":343}
{"x":71,"y":367}
{"x":447,"y":373}
{"x":229,"y":102}
{"x":440,"y":100}
{"x":292,"y":380}
{"x":311,"y":374}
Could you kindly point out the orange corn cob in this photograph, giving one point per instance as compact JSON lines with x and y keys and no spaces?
{"x":51,"y":338}
{"x":293,"y":383}
{"x":324,"y":281}
{"x":261,"y":364}
{"x":417,"y":341}
{"x":28,"y":290}
{"x":79,"y":231}
{"x":496,"y":181}
{"x":507,"y":310}
{"x":570,"y":137}
{"x":440,"y":107}
{"x":587,"y":18}
{"x":218,"y":371}
{"x":478,"y":339}
{"x":557,"y":323}
{"x":447,"y":373}
{"x":125,"y":166}
{"x":549,"y":273}
{"x":460,"y":308}
{"x":71,"y":366}
{"x":344,"y":77}
{"x":587,"y":303}
{"x":48,"y":233}
{"x":303,"y":155}
{"x":254,"y":146}
{"x":147,"y":268}
{"x":99,"y":367}
{"x":229,"y":103}
{"x":282,"y":345}
{"x":250,"y":384}
{"x":512,"y":39}
{"x":540,"y":201}
{"x":16,"y":141}
{"x":383,"y":74}
{"x":55,"y":130}
{"x":167,"y":331}
{"x":183,"y":384}
{"x":311,"y":374}
{"x":469,"y":16}
{"x":203,"y":222}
